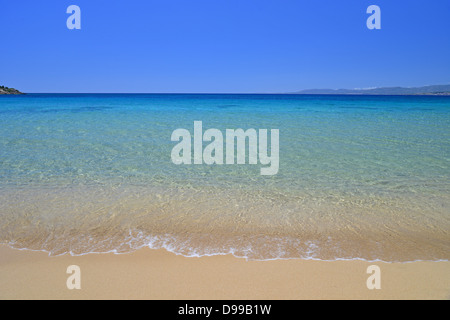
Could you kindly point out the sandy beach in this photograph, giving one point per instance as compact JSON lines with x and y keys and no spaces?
{"x":225,"y":150}
{"x":158,"y":274}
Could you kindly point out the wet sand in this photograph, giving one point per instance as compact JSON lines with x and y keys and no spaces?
{"x":158,"y":274}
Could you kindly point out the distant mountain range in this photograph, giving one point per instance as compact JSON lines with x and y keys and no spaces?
{"x":427,"y":90}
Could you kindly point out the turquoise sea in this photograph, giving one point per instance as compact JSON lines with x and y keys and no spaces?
{"x":360,"y":177}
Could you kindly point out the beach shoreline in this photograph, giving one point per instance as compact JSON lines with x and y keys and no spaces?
{"x":159,"y":274}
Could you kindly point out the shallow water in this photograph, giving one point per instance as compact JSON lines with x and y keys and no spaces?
{"x":360,"y":177}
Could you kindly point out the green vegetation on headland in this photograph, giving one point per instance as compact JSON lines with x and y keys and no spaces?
{"x":6,"y":90}
{"x":437,"y":90}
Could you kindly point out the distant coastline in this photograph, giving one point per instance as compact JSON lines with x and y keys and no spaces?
{"x":435,"y":90}
{"x":6,"y":90}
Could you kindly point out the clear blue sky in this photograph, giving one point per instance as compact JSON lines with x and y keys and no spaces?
{"x":222,"y":45}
